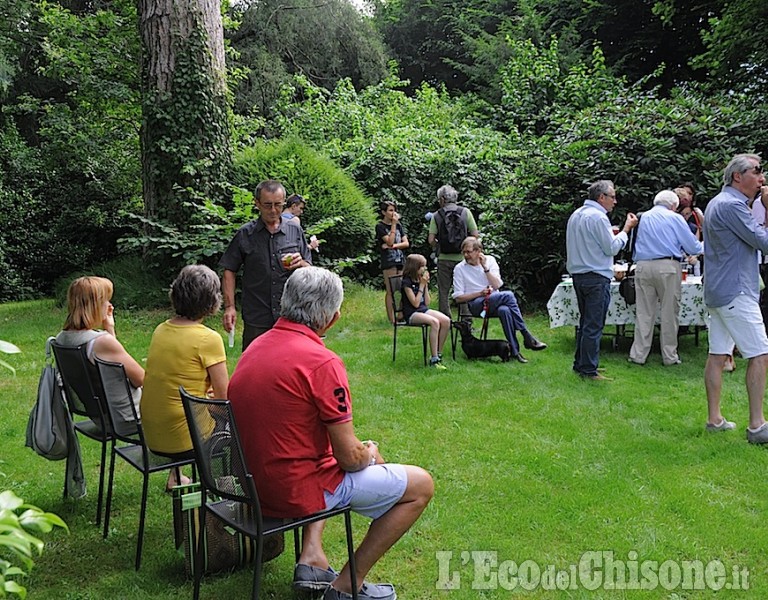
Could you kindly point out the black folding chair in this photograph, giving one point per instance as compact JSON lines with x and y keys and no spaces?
{"x":225,"y":476}
{"x":114,"y":383}
{"x":82,"y":387}
{"x":395,"y":286}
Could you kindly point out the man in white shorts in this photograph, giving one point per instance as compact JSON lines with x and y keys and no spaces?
{"x":732,"y":238}
{"x":290,"y":396}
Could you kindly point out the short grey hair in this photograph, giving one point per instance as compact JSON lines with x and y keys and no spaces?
{"x":311,"y":297}
{"x":447,"y":194}
{"x":598,"y":188}
{"x":472,"y":243}
{"x":667,"y":198}
{"x":196,"y":292}
{"x":741,"y":163}
{"x":270,"y":185}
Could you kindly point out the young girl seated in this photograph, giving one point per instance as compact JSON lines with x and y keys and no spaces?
{"x":416,"y":309}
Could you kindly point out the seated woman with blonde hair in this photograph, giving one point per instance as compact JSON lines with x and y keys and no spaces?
{"x":183,"y":352}
{"x":91,"y":321}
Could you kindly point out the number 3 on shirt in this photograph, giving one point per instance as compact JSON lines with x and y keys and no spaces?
{"x":341,"y":398}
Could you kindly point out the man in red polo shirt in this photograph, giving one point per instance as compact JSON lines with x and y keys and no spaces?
{"x":291,"y":400}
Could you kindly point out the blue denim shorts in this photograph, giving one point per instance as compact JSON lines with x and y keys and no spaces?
{"x":372,"y":491}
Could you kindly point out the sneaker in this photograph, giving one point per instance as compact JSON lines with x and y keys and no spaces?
{"x":759,"y":435}
{"x":635,"y":362}
{"x":307,"y":578}
{"x":721,"y":426}
{"x":369,"y":591}
{"x":437,"y":364}
{"x":674,"y":362}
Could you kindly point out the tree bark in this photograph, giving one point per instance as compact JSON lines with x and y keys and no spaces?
{"x":185,"y":128}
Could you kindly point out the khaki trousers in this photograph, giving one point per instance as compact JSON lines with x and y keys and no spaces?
{"x":656,"y":281}
{"x":444,"y":284}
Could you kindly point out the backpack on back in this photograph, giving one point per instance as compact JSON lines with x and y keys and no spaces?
{"x":451,"y":229}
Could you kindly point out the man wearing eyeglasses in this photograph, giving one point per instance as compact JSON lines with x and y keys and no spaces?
{"x":731,"y":291}
{"x":268,"y":250}
{"x":591,"y":246}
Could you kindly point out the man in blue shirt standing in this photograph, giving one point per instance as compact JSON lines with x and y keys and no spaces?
{"x":663,"y":237}
{"x":731,"y":291}
{"x":591,"y":246}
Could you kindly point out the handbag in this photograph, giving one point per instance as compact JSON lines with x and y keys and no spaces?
{"x":627,"y":286}
{"x":627,"y":289}
{"x":49,"y":424}
{"x":224,"y":548}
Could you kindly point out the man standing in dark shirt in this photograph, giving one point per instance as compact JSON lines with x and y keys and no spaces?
{"x":268,"y":251}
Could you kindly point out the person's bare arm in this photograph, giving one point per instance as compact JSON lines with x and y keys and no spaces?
{"x":229,"y":316}
{"x":350,"y":452}
{"x":107,"y":347}
{"x":413,"y":298}
{"x":219,"y":379}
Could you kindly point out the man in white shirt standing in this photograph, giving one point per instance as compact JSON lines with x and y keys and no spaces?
{"x":476,"y":281}
{"x":663,"y":237}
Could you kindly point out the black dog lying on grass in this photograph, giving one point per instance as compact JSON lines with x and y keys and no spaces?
{"x":476,"y":348}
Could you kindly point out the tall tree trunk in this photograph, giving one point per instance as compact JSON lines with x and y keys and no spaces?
{"x":185,"y":135}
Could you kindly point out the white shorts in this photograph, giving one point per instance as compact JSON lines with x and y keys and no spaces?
{"x":739,"y":322}
{"x":372,"y":491}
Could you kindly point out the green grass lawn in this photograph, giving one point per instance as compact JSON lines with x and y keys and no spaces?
{"x":532,"y":466}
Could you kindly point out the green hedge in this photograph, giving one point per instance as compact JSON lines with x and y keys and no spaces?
{"x":334,"y":202}
{"x":643,"y":143}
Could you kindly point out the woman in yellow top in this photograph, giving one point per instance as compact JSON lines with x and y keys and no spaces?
{"x":185,"y":352}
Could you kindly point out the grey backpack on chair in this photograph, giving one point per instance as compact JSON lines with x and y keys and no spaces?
{"x":50,"y":423}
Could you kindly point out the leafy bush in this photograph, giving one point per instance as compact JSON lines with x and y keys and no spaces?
{"x":333,"y":199}
{"x":17,"y":539}
{"x":642,"y":142}
{"x":135,"y":285}
{"x":404,"y":148}
{"x":69,"y":147}
{"x":337,"y":211}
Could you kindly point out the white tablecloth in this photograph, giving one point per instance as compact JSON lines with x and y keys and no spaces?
{"x":564,"y":309}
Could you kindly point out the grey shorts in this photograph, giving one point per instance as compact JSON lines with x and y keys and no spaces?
{"x":372,"y":491}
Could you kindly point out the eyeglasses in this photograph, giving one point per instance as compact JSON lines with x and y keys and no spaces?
{"x":756,"y":170}
{"x":612,"y":196}
{"x":272,"y":205}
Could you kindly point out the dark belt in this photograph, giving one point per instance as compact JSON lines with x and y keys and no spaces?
{"x":677,"y":258}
